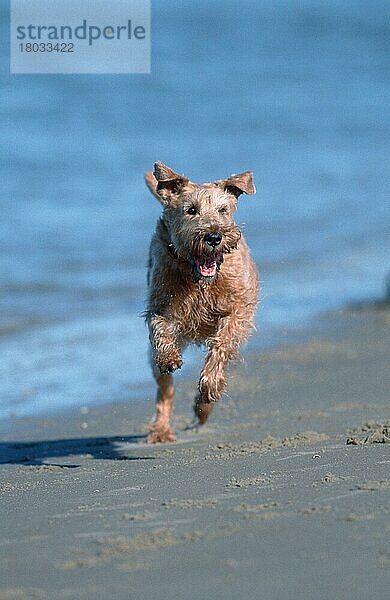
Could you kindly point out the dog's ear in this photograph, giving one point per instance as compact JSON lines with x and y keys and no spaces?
{"x":151,"y":182}
{"x":238,"y":184}
{"x":165,"y":183}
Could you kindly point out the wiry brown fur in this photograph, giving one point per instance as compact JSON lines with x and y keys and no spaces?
{"x":184,"y":306}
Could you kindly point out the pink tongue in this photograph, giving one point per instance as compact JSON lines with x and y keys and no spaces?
{"x":208,"y":267}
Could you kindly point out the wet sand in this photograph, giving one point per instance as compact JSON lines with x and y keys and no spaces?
{"x":284,"y":494}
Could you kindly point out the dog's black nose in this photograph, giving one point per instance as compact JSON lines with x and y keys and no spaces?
{"x":213,"y":239}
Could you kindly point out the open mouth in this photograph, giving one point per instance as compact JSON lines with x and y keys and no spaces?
{"x":207,"y":266}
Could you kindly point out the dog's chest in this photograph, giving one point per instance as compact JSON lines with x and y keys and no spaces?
{"x":198,"y":310}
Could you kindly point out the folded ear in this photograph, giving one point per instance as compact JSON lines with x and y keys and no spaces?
{"x":165,"y":183}
{"x":238,"y":184}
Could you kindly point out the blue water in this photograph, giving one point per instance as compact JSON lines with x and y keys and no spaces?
{"x":298,"y":92}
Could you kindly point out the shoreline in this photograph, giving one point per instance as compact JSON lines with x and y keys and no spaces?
{"x":267,"y":500}
{"x":272,"y":338}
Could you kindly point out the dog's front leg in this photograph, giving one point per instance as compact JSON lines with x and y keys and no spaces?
{"x":165,"y":358}
{"x":221,"y":348}
{"x":211,"y":382}
{"x":164,"y":340}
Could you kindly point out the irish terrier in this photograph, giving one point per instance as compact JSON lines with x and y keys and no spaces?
{"x":203,"y":285}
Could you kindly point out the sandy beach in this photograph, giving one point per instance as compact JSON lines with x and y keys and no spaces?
{"x":285,"y":494}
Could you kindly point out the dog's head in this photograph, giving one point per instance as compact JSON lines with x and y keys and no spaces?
{"x":199,"y":217}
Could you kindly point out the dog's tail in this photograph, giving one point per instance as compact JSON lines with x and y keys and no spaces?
{"x":151,"y":182}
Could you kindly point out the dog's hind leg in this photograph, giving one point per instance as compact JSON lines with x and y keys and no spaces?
{"x":160,"y":429}
{"x":165,"y":357}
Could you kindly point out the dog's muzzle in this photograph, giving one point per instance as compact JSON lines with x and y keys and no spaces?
{"x":213,"y":239}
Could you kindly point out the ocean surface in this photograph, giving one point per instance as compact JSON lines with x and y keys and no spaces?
{"x":297,"y":92}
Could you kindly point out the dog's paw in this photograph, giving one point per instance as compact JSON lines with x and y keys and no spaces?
{"x":202,"y":410}
{"x":169,"y":366}
{"x":161,"y":435}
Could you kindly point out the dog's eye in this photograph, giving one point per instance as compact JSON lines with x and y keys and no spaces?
{"x":222,"y":210}
{"x":192,"y":210}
